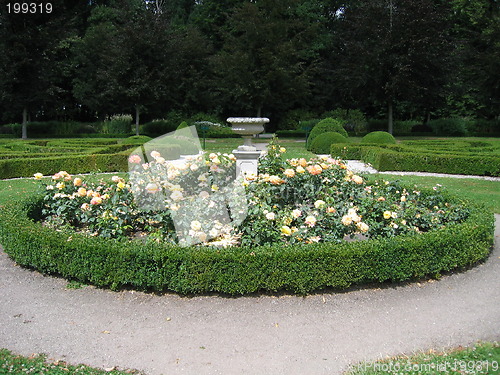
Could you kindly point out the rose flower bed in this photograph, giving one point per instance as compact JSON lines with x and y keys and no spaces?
{"x":189,"y":227}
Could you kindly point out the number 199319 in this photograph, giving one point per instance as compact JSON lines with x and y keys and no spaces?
{"x":32,"y":8}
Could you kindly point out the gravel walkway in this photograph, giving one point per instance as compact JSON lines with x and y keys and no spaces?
{"x":319,"y":334}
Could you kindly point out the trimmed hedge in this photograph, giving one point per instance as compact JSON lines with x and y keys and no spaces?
{"x":379,"y":137}
{"x":322,"y":143}
{"x":326,"y":125}
{"x":23,"y":167}
{"x":399,"y":158}
{"x":298,"y":269}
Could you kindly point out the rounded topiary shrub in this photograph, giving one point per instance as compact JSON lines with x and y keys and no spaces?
{"x":379,"y":137}
{"x":326,"y":125}
{"x":322,"y":144}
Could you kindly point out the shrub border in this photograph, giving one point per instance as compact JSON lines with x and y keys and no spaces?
{"x":236,"y":271}
{"x":386,"y":159}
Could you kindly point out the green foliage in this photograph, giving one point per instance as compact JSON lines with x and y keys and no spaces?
{"x":117,"y":124}
{"x":40,"y":364}
{"x":454,"y":126}
{"x":327,"y":125}
{"x":136,"y":140}
{"x":354,"y":119}
{"x":454,"y":157}
{"x":156,"y":128}
{"x":182,"y":125}
{"x":321,"y":144}
{"x":296,"y":268}
{"x":379,"y":137}
{"x":404,"y":127}
{"x":22,"y":167}
{"x":24,"y":158}
{"x":220,"y":132}
{"x":294,"y":119}
{"x":483,"y":358}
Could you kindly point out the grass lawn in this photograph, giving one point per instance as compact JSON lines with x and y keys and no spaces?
{"x":481,"y":191}
{"x":14,"y":364}
{"x":483,"y":358}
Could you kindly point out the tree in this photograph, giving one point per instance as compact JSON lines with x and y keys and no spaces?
{"x":24,"y":63}
{"x":392,"y":50}
{"x":263,"y":62}
{"x":477,"y":28}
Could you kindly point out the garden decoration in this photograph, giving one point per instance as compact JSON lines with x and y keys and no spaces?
{"x":247,"y":155}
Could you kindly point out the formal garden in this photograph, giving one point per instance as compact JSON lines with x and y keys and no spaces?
{"x":308,"y":221}
{"x":67,"y":208}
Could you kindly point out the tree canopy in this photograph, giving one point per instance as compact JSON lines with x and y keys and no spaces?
{"x":411,"y":59}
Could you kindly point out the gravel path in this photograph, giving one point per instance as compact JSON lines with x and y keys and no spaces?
{"x":320,"y":334}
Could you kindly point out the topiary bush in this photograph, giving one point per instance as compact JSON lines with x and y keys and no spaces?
{"x":379,"y":137}
{"x":322,"y":144}
{"x":326,"y":125}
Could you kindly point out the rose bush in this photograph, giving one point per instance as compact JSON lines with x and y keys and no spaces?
{"x":198,"y":200}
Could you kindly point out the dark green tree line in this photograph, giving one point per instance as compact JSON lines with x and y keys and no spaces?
{"x":402,"y":58}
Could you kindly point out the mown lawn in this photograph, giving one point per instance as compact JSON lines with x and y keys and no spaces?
{"x":483,"y":358}
{"x":481,"y":191}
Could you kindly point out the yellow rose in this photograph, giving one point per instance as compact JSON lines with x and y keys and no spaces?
{"x":319,"y":203}
{"x":275,"y":180}
{"x":195,"y":225}
{"x":60,"y":185}
{"x":311,"y":221}
{"x":286,"y":230}
{"x":289,"y":173}
{"x":387,"y":214}
{"x":300,"y":169}
{"x":346,"y":220}
{"x":77,"y":181}
{"x":120,"y":185}
{"x":96,"y":200}
{"x":270,"y":216}
{"x":38,"y":176}
{"x":357,"y":179}
{"x":363,"y":227}
{"x":82,"y":192}
{"x":282,"y":150}
{"x":152,"y":188}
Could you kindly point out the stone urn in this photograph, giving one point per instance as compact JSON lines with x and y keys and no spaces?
{"x":247,"y":127}
{"x":247,"y":155}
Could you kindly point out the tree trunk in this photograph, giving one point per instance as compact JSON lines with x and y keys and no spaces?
{"x":390,"y":121}
{"x":25,"y":124}
{"x":259,"y":110}
{"x":137,"y":115}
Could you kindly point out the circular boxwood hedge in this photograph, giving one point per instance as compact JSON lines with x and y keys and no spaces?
{"x":322,"y":144}
{"x":327,"y":125}
{"x":298,"y":269}
{"x":379,"y":137}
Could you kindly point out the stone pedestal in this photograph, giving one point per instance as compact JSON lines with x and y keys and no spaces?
{"x":247,"y":156}
{"x":246,"y":161}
